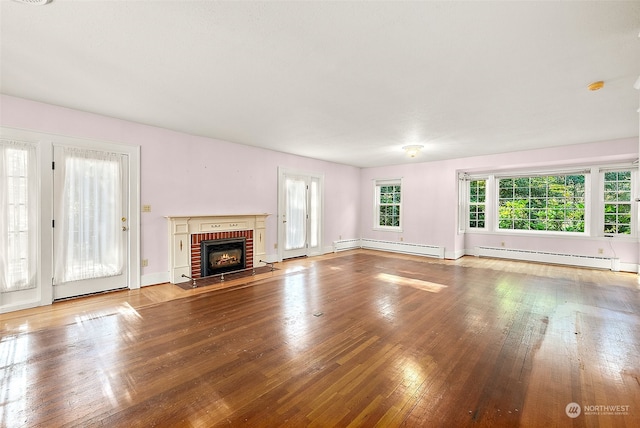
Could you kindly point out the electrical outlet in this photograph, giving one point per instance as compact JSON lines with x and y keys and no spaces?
{"x":401,"y":239}
{"x":600,"y":250}
{"x":146,"y":208}
{"x":502,"y":244}
{"x":275,"y":246}
{"x":144,"y":263}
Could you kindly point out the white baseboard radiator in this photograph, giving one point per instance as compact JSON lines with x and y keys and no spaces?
{"x":346,"y":244}
{"x":548,"y":257}
{"x":395,"y":247}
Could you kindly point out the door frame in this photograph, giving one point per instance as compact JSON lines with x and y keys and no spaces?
{"x":45,"y":141}
{"x":282,"y":174}
{"x":64,"y":290}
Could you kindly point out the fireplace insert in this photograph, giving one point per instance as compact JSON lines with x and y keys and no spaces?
{"x":222,"y":255}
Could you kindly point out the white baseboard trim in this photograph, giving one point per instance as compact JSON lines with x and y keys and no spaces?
{"x":629,"y":267}
{"x":154,"y":278}
{"x":455,"y":255}
{"x":21,"y":305}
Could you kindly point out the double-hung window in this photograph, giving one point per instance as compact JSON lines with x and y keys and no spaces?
{"x":388,"y":205}
{"x":618,"y":208}
{"x":477,"y":204}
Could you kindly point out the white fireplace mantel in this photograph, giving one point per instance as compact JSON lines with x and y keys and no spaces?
{"x":182,"y":227}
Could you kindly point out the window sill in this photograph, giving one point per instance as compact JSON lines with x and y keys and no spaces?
{"x":554,"y":235}
{"x":388,"y":229}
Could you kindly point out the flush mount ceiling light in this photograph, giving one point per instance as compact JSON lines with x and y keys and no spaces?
{"x":596,"y":85}
{"x":413,"y":150}
{"x":34,"y":2}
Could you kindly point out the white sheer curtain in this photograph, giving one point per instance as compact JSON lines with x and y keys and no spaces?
{"x":89,"y":243}
{"x":314,"y":212}
{"x":296,"y":213}
{"x":18,"y":215}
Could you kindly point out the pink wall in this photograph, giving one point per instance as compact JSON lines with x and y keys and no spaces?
{"x":430,"y":200}
{"x":184,"y":175}
{"x":429,"y":203}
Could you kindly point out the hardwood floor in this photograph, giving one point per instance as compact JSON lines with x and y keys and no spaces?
{"x":359,"y":338}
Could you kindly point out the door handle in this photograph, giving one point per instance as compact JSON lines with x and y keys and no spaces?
{"x":125,"y":228}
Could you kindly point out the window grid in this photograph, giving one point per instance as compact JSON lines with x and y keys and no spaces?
{"x":477,"y":201}
{"x":389,"y":205}
{"x":545,"y":203}
{"x":17,"y":197}
{"x":617,"y":202}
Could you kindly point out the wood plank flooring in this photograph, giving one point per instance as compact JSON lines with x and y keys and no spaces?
{"x":359,"y":338}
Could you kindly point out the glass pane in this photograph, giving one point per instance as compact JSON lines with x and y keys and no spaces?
{"x":19,"y":195}
{"x":296,"y":211}
{"x":92,"y":216}
{"x":314,"y":214}
{"x":552,"y":203}
{"x":624,"y":176}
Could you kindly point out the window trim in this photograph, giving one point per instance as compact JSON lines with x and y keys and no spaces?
{"x":594,"y":201}
{"x":487,"y":199}
{"x":587,"y":205}
{"x":377,"y":184}
{"x":635,"y":225}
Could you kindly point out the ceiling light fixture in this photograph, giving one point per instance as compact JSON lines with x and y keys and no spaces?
{"x":596,"y":85}
{"x":413,"y":149}
{"x":34,"y":2}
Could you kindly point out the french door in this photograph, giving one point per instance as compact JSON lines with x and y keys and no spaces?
{"x":91,"y":222}
{"x":300,"y":208}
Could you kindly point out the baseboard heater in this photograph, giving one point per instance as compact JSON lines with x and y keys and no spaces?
{"x":346,"y":244}
{"x":548,"y":257}
{"x":396,"y":247}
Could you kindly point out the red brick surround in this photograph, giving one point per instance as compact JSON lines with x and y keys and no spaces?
{"x":196,"y":268}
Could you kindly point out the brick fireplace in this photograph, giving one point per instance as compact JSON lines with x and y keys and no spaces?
{"x":186,"y":234}
{"x":197,"y":267}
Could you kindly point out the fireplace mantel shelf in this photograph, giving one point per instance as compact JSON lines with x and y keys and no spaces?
{"x":181,"y":227}
{"x":197,"y":216}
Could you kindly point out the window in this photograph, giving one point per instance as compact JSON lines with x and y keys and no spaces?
{"x":617,"y":202}
{"x":18,"y":216}
{"x":546,"y":203}
{"x":388,"y":206}
{"x":570,"y":202}
{"x":477,"y":201}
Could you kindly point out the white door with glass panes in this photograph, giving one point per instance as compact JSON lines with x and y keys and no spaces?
{"x":300,"y":202}
{"x":91,"y":225}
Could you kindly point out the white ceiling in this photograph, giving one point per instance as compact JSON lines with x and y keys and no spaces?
{"x":348,"y":82}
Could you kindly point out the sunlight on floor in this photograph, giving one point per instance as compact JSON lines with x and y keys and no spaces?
{"x":431,"y":287}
